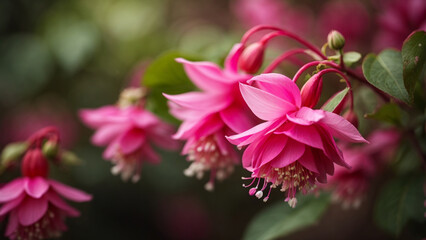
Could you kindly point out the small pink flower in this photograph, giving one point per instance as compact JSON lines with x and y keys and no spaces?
{"x":294,"y":148}
{"x":128,"y":133}
{"x":208,"y":115}
{"x":33,"y":202}
{"x":366,"y":161}
{"x":35,"y":208}
{"x":351,"y":185}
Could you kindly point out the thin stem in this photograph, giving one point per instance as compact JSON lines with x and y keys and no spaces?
{"x":348,"y":83}
{"x":277,"y":61}
{"x":281,"y":32}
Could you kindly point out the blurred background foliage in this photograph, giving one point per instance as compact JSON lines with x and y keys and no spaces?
{"x":57,"y":57}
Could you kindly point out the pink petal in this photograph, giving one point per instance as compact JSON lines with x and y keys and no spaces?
{"x":61,"y":204}
{"x":273,"y":146}
{"x":31,"y":210}
{"x":107,"y":133}
{"x":12,"y":225}
{"x":237,"y":118}
{"x":292,"y":151}
{"x":231,"y":61}
{"x":330,"y":148}
{"x":144,"y":119}
{"x":205,"y":75}
{"x":248,"y":156}
{"x":111,"y":149}
{"x":150,"y":154}
{"x":265,"y":105}
{"x":250,"y":135}
{"x":7,"y":207}
{"x":69,"y":192}
{"x":308,"y":161}
{"x":201,"y":101}
{"x":306,"y":116}
{"x":132,"y":140}
{"x":304,"y":134}
{"x":97,"y":117}
{"x":280,"y":86}
{"x":211,"y":125}
{"x":36,"y":187}
{"x":224,"y":146}
{"x":12,"y":190}
{"x":341,"y":128}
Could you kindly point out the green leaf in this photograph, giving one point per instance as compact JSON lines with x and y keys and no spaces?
{"x":12,"y":152}
{"x":414,"y":59}
{"x":280,"y":220}
{"x":400,"y":201}
{"x":389,"y":113}
{"x":70,"y":158}
{"x":335,"y":101}
{"x":384,"y":71}
{"x":165,"y":75}
{"x":350,"y":58}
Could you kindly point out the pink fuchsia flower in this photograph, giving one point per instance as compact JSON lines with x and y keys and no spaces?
{"x":35,"y":208}
{"x":128,"y":132}
{"x":210,"y":114}
{"x":33,"y":202}
{"x":397,"y":20}
{"x":351,"y":185}
{"x":294,"y":148}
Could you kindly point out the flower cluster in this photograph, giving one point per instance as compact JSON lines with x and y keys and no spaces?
{"x":128,"y":130}
{"x":33,"y":202}
{"x":290,"y":145}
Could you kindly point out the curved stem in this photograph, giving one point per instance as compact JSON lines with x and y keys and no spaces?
{"x":280,"y":32}
{"x":348,"y":83}
{"x":277,"y":61}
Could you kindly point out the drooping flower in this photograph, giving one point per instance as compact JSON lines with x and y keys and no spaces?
{"x":350,"y":186}
{"x":210,"y":114}
{"x":294,"y":148}
{"x":128,"y":131}
{"x":33,"y":202}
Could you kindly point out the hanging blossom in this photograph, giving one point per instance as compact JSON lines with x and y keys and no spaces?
{"x":294,"y":148}
{"x":366,"y":161}
{"x":210,"y":114}
{"x":33,"y":202}
{"x":128,"y":130}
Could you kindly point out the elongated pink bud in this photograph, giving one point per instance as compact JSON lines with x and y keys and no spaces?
{"x":311,"y":91}
{"x":35,"y":164}
{"x":251,"y":58}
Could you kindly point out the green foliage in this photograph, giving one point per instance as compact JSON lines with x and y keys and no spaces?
{"x":384,"y":71}
{"x":399,"y":201}
{"x":351,"y":58}
{"x":414,"y":59}
{"x":335,"y":101}
{"x":70,"y":158}
{"x":12,"y":152}
{"x":280,"y":220}
{"x":389,"y":113}
{"x":165,"y":75}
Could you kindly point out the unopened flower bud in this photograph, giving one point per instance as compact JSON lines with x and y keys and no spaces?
{"x":50,"y":149}
{"x":351,"y":116}
{"x":311,"y":91}
{"x":34,"y":164}
{"x":335,"y":40}
{"x":251,"y":58}
{"x":131,"y":96}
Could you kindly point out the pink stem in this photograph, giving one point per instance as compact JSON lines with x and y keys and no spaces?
{"x":283,"y":57}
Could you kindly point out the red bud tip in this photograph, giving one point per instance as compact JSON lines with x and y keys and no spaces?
{"x":35,"y":164}
{"x":251,"y":58}
{"x":351,"y":116}
{"x":311,"y":91}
